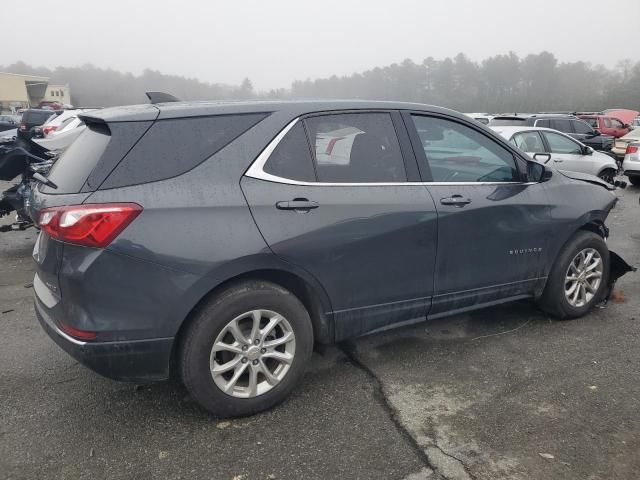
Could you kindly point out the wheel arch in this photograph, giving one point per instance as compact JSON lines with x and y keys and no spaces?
{"x":301,"y":284}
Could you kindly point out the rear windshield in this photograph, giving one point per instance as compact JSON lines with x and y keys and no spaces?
{"x":36,"y":117}
{"x":505,"y":122}
{"x":76,"y":163}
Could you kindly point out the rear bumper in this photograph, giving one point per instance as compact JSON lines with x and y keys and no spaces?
{"x":132,"y":361}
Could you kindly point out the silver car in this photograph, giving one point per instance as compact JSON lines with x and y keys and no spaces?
{"x":564,"y":152}
{"x":631,"y":163}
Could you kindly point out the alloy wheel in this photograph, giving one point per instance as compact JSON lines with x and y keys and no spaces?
{"x":252,"y":353}
{"x":583,"y":277}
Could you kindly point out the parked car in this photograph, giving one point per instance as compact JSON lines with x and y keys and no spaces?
{"x":60,"y":140}
{"x":623,"y":114}
{"x":569,"y":124}
{"x":483,"y":118}
{"x":8,"y":122}
{"x":620,"y":146}
{"x":34,"y":118}
{"x":546,"y":145}
{"x":631,"y":163}
{"x":223,"y":240}
{"x":635,"y":123}
{"x":606,"y":125}
{"x":65,"y":119}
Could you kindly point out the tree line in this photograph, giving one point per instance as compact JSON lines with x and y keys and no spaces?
{"x":502,"y":83}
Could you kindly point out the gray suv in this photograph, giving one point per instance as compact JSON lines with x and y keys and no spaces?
{"x":221,"y":241}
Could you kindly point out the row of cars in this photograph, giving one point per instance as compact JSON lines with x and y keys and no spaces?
{"x":597,"y":143}
{"x":53,"y":130}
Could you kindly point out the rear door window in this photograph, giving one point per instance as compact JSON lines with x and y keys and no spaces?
{"x":562,"y":125}
{"x":528,"y":142}
{"x":356,"y":148}
{"x":458,"y":153}
{"x":543,"y":123}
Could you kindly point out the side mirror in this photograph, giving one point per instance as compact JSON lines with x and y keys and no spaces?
{"x":537,"y":172}
{"x":586,"y":150}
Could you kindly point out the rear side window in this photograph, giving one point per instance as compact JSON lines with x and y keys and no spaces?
{"x":529,"y":142}
{"x":292,"y":158}
{"x":543,"y":123}
{"x":592,"y":121}
{"x":356,"y":148}
{"x":74,"y":166}
{"x":175,"y":146}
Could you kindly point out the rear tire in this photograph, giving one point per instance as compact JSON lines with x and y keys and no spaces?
{"x":261,"y":334}
{"x":572,"y":290}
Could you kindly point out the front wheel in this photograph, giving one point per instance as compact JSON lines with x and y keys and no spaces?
{"x":245,"y":349}
{"x":578,"y":278}
{"x":608,"y":175}
{"x":635,"y":180}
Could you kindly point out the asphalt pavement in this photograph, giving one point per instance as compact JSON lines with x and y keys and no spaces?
{"x":502,"y":393}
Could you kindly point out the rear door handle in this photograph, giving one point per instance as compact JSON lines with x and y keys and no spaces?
{"x":456,"y":201}
{"x":297,"y":204}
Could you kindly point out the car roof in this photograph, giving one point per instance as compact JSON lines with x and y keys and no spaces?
{"x":509,"y":130}
{"x":207,"y":108}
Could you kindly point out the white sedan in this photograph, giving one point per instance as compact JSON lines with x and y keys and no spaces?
{"x":565,"y":153}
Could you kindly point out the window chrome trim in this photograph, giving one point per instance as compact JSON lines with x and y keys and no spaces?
{"x":256,"y":170}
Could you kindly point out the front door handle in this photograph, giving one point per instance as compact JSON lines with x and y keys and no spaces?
{"x":558,"y":160}
{"x":456,"y":201}
{"x":297,"y":204}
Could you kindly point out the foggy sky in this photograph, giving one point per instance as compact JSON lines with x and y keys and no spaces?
{"x":274,"y":42}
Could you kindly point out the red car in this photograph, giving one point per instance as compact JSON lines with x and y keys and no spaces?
{"x":606,"y":125}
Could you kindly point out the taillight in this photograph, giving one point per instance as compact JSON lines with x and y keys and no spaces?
{"x":49,"y":129}
{"x":91,"y":225}
{"x":76,"y":333}
{"x":631,"y":149}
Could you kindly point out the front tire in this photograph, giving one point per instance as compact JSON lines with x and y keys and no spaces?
{"x":245,"y":349}
{"x":578,"y":278}
{"x":635,"y":180}
{"x":608,"y":175}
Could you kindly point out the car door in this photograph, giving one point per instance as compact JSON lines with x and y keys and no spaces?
{"x":567,"y":154}
{"x":335,"y":198}
{"x":492,"y":225}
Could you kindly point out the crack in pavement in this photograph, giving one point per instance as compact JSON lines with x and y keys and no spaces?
{"x":349,"y":350}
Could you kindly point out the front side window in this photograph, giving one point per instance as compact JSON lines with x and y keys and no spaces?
{"x":592,"y":121}
{"x":562,"y":144}
{"x":616,"y":123}
{"x":457,"y":153}
{"x":528,"y":142}
{"x":582,"y":128}
{"x":356,"y":148}
{"x":292,"y":158}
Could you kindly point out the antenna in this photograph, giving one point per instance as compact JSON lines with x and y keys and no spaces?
{"x":160,"y":97}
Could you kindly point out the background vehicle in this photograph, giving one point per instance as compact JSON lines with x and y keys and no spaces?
{"x":631,"y":163}
{"x":59,"y":140}
{"x":606,"y":125}
{"x":8,"y":122}
{"x":232,"y":252}
{"x":564,"y":152}
{"x":67,"y":119}
{"x":620,"y":146}
{"x":569,"y":124}
{"x":34,"y":118}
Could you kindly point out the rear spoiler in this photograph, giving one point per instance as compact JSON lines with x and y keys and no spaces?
{"x":160,"y":97}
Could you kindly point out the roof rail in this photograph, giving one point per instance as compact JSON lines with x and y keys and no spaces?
{"x":160,"y":97}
